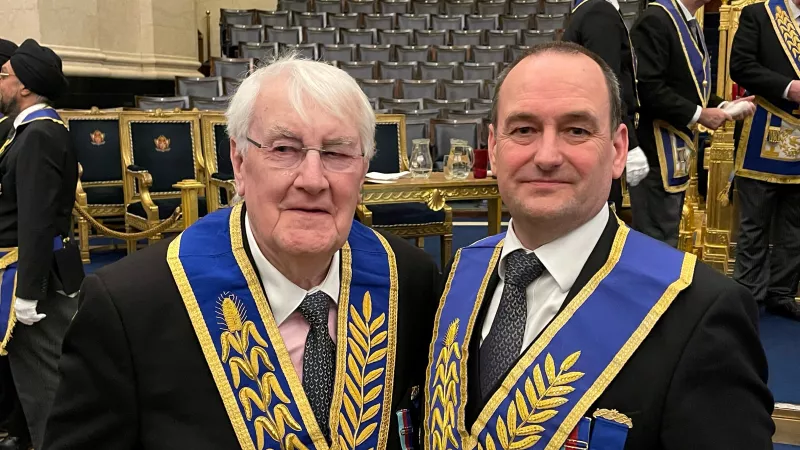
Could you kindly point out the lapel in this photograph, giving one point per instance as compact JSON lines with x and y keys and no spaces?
{"x":597,"y":258}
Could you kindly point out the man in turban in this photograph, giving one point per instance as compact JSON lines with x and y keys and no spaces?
{"x":37,"y":192}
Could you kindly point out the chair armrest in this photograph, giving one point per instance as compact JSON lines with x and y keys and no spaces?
{"x":80,"y":194}
{"x":145,"y":181}
{"x":364,"y":215}
{"x":225,"y":181}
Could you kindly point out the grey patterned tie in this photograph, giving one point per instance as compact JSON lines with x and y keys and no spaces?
{"x":501,"y":348}
{"x":319,"y":359}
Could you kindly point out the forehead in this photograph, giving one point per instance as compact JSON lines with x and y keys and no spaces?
{"x":552,"y":83}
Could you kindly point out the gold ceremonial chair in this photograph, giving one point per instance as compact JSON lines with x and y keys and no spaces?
{"x":95,"y":136}
{"x":162,"y":159}
{"x":407,"y":220}
{"x":217,"y":152}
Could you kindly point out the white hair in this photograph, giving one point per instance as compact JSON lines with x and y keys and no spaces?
{"x":325,"y":86}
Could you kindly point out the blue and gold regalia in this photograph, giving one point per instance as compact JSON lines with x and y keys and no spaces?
{"x":544,"y":401}
{"x":769,"y":148}
{"x":250,"y":365}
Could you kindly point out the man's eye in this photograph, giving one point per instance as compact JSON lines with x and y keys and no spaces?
{"x":523,"y":131}
{"x":284,"y":149}
{"x":578,"y":132}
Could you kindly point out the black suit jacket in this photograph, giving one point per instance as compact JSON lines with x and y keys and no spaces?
{"x":38,"y":175}
{"x":598,"y":26}
{"x":133,"y":375}
{"x":666,"y":88}
{"x":758,"y":62}
{"x":6,"y":125}
{"x":697,"y":381}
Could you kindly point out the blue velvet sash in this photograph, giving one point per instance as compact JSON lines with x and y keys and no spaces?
{"x":8,"y":287}
{"x":695,"y":52}
{"x":769,"y":149}
{"x":547,"y":393}
{"x":675,"y":152}
{"x":47,"y":113}
{"x":786,"y":30}
{"x":247,"y":357}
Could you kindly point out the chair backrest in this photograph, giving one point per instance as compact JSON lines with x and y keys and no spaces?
{"x":378,"y":88}
{"x":375,"y":52}
{"x":321,"y":36}
{"x":533,"y":37}
{"x":167,"y":145}
{"x":437,"y":71}
{"x":482,"y":22}
{"x":359,"y":70}
{"x":629,"y":6}
{"x":341,"y":52}
{"x":458,"y":89}
{"x":502,"y":37}
{"x":488,"y":89}
{"x":521,"y":7}
{"x":328,"y":6}
{"x":395,"y":6}
{"x":519,"y":50}
{"x":478,"y":71}
{"x":229,"y":85}
{"x":310,"y":20}
{"x":413,"y":21}
{"x":495,"y":7}
{"x":395,"y":37}
{"x":629,"y":19}
{"x":346,"y":21}
{"x":416,"y":53}
{"x":550,"y":21}
{"x":361,"y":6}
{"x":235,"y":16}
{"x":359,"y":36}
{"x":449,"y":54}
{"x":521,"y":22}
{"x":430,"y":37}
{"x":459,"y":7}
{"x":397,"y":70}
{"x":416,"y":128}
{"x":412,"y":89}
{"x":273,"y":18}
{"x":409,"y":104}
{"x":429,"y":7}
{"x":163,"y":103}
{"x":96,"y":140}
{"x":258,"y":50}
{"x":489,"y":54}
{"x":458,"y":104}
{"x":209,"y":103}
{"x":216,"y":150}
{"x":380,"y":21}
{"x":481,"y":114}
{"x":557,"y":6}
{"x":198,"y":86}
{"x":447,"y":22}
{"x":480,"y":103}
{"x":466,"y":37}
{"x":390,"y":144}
{"x":246,"y":33}
{"x":285,"y":35}
{"x":299,"y":6}
{"x":307,"y":51}
{"x":237,"y":68}
{"x":443,"y":130}
{"x":421,"y":114}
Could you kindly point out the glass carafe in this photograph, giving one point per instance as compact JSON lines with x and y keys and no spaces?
{"x":420,"y":164}
{"x":462,"y":157}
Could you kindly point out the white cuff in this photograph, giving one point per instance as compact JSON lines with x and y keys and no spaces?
{"x":786,"y":91}
{"x":696,"y":116}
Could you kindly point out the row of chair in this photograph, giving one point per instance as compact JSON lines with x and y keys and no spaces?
{"x":132,"y":161}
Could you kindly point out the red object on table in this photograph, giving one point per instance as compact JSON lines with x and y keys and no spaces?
{"x":481,"y":162}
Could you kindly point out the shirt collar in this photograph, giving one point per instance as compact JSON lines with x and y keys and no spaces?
{"x":25,"y":112}
{"x":284,"y":297}
{"x":686,"y":14}
{"x":564,"y":257}
{"x":794,"y":8}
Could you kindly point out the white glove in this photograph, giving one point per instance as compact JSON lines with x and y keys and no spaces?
{"x":739,"y":109}
{"x":26,"y":311}
{"x":636,"y":167}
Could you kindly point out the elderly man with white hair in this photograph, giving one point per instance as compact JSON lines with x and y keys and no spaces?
{"x":276,"y":323}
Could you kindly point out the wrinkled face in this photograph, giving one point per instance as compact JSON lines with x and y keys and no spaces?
{"x":552,"y":149}
{"x":10,"y":90}
{"x":307,"y":209}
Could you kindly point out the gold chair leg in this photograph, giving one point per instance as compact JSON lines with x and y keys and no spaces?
{"x":130,"y":244}
{"x":83,"y":237}
{"x":421,"y":242}
{"x":446,"y":248}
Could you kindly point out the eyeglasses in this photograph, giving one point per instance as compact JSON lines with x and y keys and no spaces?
{"x":335,"y":158}
{"x":4,"y":75}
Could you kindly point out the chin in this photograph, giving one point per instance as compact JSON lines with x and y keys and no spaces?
{"x":308,"y":243}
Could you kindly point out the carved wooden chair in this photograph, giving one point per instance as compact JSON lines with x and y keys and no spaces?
{"x":217,"y":154}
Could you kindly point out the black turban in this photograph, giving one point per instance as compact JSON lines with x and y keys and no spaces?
{"x":7,"y":48}
{"x":39,"y":69}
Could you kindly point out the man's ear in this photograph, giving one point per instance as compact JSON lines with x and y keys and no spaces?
{"x":237,"y":160}
{"x":620,"y":146}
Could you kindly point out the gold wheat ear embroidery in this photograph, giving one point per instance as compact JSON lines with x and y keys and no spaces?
{"x":362,"y":406}
{"x":237,"y":336}
{"x":788,"y":30}
{"x":445,"y":391}
{"x":532,"y":407}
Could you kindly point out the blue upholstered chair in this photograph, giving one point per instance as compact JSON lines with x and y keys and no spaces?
{"x":96,"y":140}
{"x":159,"y":150}
{"x":408,"y":220}
{"x":217,"y":153}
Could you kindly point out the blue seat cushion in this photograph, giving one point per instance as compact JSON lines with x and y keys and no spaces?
{"x":104,"y":195}
{"x":166,"y":206}
{"x":404,"y":214}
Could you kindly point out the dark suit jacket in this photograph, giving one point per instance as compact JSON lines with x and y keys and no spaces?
{"x":133,"y":375}
{"x":666,"y":88}
{"x":758,"y":62}
{"x":38,"y":175}
{"x":6,"y":125}
{"x":697,"y":381}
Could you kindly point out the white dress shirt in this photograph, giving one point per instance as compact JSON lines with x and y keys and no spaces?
{"x":563,"y":260}
{"x":25,"y":112}
{"x":284,"y":296}
{"x":796,"y":14}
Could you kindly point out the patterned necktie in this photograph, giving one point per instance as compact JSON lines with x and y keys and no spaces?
{"x":502,"y":346}
{"x":698,"y":35}
{"x":319,"y":359}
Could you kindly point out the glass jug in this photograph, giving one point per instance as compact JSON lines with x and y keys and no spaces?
{"x":461,"y":159}
{"x":420,"y":164}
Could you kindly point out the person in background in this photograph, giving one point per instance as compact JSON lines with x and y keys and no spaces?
{"x":597,"y":25}
{"x":38,"y":177}
{"x":768,"y":157}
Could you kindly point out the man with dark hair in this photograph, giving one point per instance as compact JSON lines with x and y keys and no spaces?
{"x":38,"y":176}
{"x":562,"y":317}
{"x":598,"y":26}
{"x":675,"y":77}
{"x":768,"y":156}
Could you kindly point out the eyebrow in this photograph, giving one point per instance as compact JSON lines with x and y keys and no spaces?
{"x":279,"y":131}
{"x":572,"y":116}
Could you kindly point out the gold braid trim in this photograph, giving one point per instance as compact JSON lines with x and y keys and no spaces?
{"x":446,"y":379}
{"x":162,"y":226}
